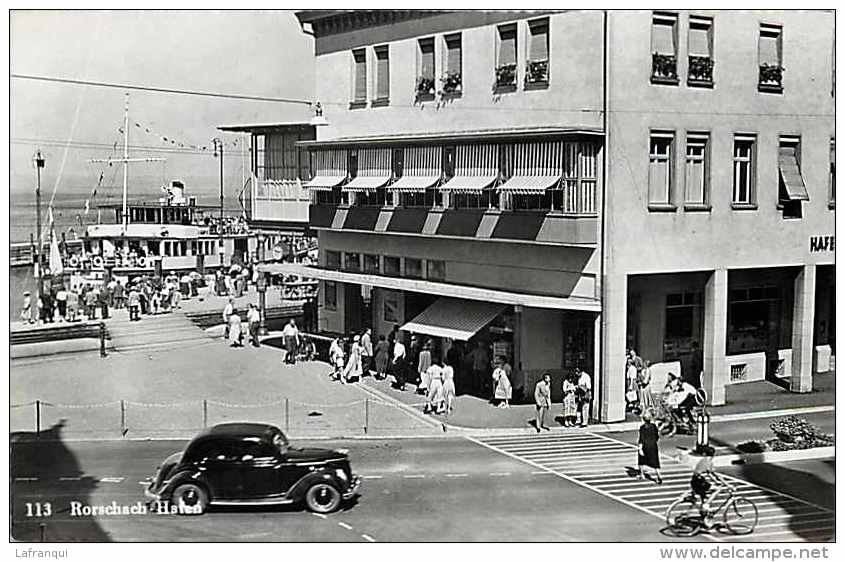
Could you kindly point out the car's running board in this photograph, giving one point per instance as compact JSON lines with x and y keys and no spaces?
{"x":269,"y":501}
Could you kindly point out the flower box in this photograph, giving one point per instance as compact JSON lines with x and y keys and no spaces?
{"x":451,"y":83}
{"x":664,"y":69}
{"x":700,"y":71}
{"x":425,"y":88}
{"x":506,"y":75}
{"x":771,"y":78}
{"x":536,"y":72}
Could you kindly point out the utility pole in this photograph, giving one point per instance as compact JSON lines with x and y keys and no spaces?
{"x":218,"y":153}
{"x":39,"y":163}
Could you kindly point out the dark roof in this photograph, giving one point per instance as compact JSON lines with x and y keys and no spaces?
{"x":239,"y":430}
{"x":265,"y":127}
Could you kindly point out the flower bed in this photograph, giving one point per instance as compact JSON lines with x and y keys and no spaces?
{"x":791,"y":434}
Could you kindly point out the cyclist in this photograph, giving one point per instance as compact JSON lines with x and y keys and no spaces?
{"x":681,"y":398}
{"x":706,"y":482}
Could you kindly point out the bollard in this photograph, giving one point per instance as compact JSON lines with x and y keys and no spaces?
{"x":42,"y":530}
{"x":366,"y":414}
{"x":122,"y":418}
{"x":102,"y":339}
{"x":38,"y":419}
{"x":287,"y":416}
{"x":204,"y":413}
{"x":702,"y":440}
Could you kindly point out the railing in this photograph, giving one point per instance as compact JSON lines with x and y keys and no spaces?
{"x":579,"y":198}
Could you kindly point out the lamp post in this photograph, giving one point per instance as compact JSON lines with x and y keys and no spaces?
{"x":39,"y":163}
{"x":261,"y":286}
{"x":218,"y":153}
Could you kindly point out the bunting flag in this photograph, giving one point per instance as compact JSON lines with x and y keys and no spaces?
{"x":170,"y":139}
{"x":56,"y":267}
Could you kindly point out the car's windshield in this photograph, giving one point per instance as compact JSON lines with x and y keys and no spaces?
{"x":281,"y":442}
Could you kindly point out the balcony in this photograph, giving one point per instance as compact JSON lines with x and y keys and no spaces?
{"x":771,"y":78}
{"x":664,"y":69}
{"x":700,"y":72}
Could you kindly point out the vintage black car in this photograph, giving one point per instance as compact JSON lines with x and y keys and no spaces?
{"x":250,"y":464}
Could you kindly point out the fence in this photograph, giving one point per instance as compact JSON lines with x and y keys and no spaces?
{"x":125,"y":418}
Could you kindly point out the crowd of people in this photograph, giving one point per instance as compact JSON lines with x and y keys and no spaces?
{"x":577,"y":393}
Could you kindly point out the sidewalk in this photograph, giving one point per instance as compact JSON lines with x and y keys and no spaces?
{"x":476,"y":413}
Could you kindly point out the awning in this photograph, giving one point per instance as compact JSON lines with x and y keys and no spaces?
{"x":324,"y":183}
{"x":790,"y":173}
{"x":468,"y":184}
{"x":454,"y":318}
{"x":414,"y":183}
{"x":529,"y":185}
{"x":366,"y":183}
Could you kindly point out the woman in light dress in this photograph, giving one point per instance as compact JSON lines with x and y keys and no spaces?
{"x":235,"y":333}
{"x":570,"y":411}
{"x":448,"y":375}
{"x":503,"y":391}
{"x":353,"y":364}
{"x":644,"y":388}
{"x":336,"y":359}
{"x":436,"y":398}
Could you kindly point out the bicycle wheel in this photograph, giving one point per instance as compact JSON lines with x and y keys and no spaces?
{"x":740,"y":516}
{"x":683,"y":517}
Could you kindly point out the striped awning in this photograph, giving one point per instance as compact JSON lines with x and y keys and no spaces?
{"x":421,"y":169}
{"x":330,"y":169}
{"x":457,"y":319}
{"x":790,"y":173}
{"x":537,"y":166}
{"x":373,"y":170}
{"x":476,"y":168}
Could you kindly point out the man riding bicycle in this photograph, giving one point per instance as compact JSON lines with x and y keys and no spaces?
{"x":681,"y":398}
{"x":706,"y":483}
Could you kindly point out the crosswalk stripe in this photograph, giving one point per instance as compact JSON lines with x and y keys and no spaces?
{"x":608,"y":466}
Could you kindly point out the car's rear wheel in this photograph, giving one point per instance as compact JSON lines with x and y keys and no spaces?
{"x":322,"y":498}
{"x":190,"y":499}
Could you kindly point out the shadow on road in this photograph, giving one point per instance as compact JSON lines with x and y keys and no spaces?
{"x":47,"y":458}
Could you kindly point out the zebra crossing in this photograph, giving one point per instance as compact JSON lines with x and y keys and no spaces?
{"x":607,"y":466}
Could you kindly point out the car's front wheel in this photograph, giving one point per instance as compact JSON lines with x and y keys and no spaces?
{"x":322,"y":498}
{"x":190,"y":499}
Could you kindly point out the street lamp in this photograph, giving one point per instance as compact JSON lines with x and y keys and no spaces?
{"x":218,"y":153}
{"x":39,"y":164}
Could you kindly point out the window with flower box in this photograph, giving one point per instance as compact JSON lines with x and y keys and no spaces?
{"x":537,"y":65}
{"x":452,"y":81}
{"x":359,"y":84}
{"x":505,"y":75}
{"x":770,"y":53}
{"x":700,"y":46}
{"x":425,"y":88}
{"x":664,"y":48}
{"x":660,"y":178}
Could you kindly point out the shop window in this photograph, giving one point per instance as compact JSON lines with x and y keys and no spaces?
{"x":664,"y":50}
{"x":832,"y":175}
{"x":537,"y":66}
{"x":331,"y":295}
{"x":744,"y":172}
{"x":371,"y":263}
{"x":382,"y":74}
{"x":472,"y":200}
{"x":425,"y":199}
{"x":426,"y":87}
{"x":413,"y":268}
{"x":791,"y":188}
{"x":682,"y":324}
{"x":660,"y":171}
{"x":753,"y":319}
{"x":453,"y":78}
{"x":770,"y":56}
{"x":391,"y":307}
{"x":532,"y":202}
{"x":700,"y":45}
{"x":359,"y":85}
{"x":697,"y":168}
{"x":332,"y":259}
{"x":435,"y":270}
{"x":371,"y":198}
{"x":352,"y":261}
{"x":391,"y":266}
{"x":505,"y":74}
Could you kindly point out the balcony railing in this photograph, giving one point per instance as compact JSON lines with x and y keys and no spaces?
{"x":700,"y":71}
{"x":536,"y":73}
{"x":579,"y":198}
{"x":771,"y":78}
{"x":664,"y":69}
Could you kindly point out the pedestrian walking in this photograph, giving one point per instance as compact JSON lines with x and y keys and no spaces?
{"x":502,"y":385}
{"x":92,"y":295}
{"x":134,"y":302}
{"x":72,"y":305}
{"x":435,"y":399}
{"x":367,"y":351}
{"x":648,"y":452}
{"x":119,"y":295}
{"x":110,"y":287}
{"x":26,"y":308}
{"x":47,"y":307}
{"x":235,"y":334}
{"x":583,"y":395}
{"x":382,"y":357}
{"x":569,"y":406}
{"x":290,"y":333}
{"x":631,"y":394}
{"x":398,"y":366}
{"x":353,"y":370}
{"x":253,"y":318}
{"x":103,"y":303}
{"x":227,"y":312}
{"x":448,"y":388}
{"x":423,"y":363}
{"x":336,"y":359}
{"x":61,"y":303}
{"x":543,"y":401}
{"x":644,"y":388}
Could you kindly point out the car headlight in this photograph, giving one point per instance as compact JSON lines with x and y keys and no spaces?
{"x":341,"y":474}
{"x":342,"y":451}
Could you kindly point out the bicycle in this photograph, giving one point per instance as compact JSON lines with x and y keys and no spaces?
{"x":688,"y":515}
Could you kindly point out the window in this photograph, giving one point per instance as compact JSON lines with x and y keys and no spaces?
{"x":425,"y":67}
{"x":413,"y":267}
{"x":744,"y":172}
{"x":391,"y":306}
{"x":832,"y":175}
{"x":391,"y":265}
{"x":697,"y":168}
{"x":371,"y":263}
{"x":452,"y":80}
{"x":332,"y":259}
{"x":537,"y":67}
{"x":660,"y":170}
{"x":754,"y":319}
{"x":352,"y":261}
{"x":352,"y":164}
{"x":359,"y":85}
{"x":506,"y":57}
{"x":382,"y":73}
{"x":664,"y":52}
{"x":435,"y":270}
{"x":431,"y":197}
{"x":448,"y":162}
{"x":770,"y":57}
{"x":682,"y":324}
{"x":700,"y":41}
{"x":791,"y":188}
{"x":331,"y":295}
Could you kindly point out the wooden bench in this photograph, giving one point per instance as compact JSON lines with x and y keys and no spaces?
{"x":56,"y":332}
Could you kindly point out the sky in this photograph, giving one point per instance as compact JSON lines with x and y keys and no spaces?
{"x":258,"y":53}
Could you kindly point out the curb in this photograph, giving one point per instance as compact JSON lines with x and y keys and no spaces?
{"x":729,"y":460}
{"x":401,"y":405}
